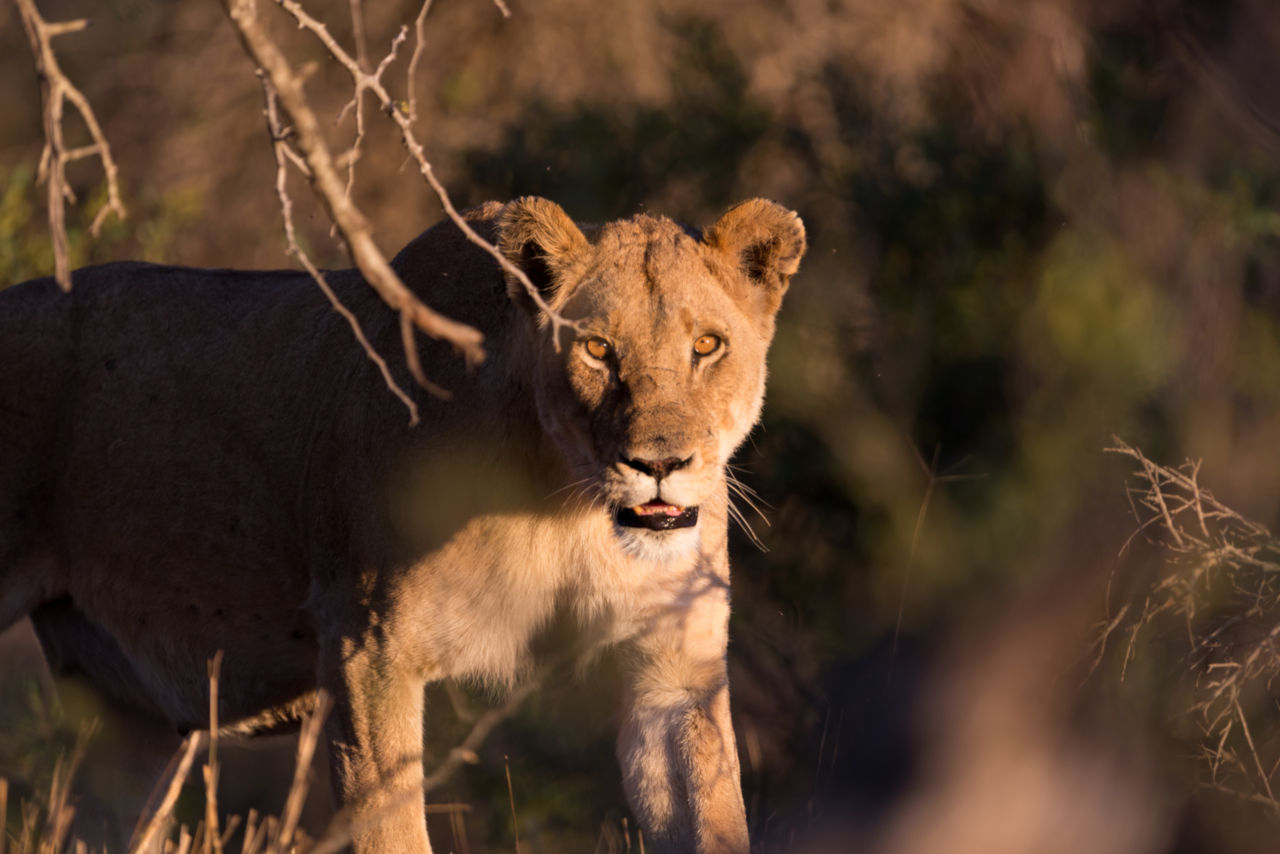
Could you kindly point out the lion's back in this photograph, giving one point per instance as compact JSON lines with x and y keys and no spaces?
{"x":141,"y":352}
{"x":156,"y":425}
{"x":35,"y":369}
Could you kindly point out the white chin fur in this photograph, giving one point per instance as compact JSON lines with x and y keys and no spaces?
{"x":658,"y":546}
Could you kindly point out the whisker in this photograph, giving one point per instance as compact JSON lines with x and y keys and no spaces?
{"x":747,"y":490}
{"x":561,"y":489}
{"x":585,"y":495}
{"x":573,"y":494}
{"x":736,"y":515}
{"x":736,"y":481}
{"x":747,"y":494}
{"x":578,"y":497}
{"x":757,"y":511}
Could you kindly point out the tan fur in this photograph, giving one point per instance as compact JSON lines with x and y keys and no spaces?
{"x":200,"y":460}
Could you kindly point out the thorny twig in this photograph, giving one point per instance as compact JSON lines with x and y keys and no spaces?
{"x":356,"y":104}
{"x":351,"y":222}
{"x":357,"y":32}
{"x":419,"y":44}
{"x":933,"y":478}
{"x":55,"y":157}
{"x":282,"y":151}
{"x":286,"y":88}
{"x":465,"y":752}
{"x":373,"y":83}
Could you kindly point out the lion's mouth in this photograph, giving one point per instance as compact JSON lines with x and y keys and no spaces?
{"x":656,"y":516}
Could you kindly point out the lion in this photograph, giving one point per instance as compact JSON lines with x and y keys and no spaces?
{"x":204,"y":460}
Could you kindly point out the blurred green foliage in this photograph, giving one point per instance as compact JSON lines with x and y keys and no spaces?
{"x":26,"y":249}
{"x":597,"y":160}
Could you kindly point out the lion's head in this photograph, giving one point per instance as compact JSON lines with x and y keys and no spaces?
{"x":662,"y":373}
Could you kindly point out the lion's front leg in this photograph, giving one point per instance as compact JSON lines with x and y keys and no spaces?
{"x":375,"y":738}
{"x":677,"y":749}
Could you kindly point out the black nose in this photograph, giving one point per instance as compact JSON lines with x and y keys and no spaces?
{"x":657,"y":469}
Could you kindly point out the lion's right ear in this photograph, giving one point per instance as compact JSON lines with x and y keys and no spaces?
{"x":538,"y":237}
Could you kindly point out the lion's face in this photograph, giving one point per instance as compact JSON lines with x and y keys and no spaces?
{"x":661,"y":374}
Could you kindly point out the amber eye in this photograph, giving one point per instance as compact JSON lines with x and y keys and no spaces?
{"x":598,"y":348}
{"x":705,"y":345}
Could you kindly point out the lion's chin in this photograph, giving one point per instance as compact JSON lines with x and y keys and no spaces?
{"x":659,"y":547}
{"x":656,"y":516}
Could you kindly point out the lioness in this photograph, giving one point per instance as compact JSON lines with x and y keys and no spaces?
{"x":203,"y":460}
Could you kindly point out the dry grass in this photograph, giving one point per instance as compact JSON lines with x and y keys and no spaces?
{"x":45,"y":827}
{"x":1217,"y":600}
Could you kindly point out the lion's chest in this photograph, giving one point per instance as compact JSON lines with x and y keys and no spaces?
{"x":472,"y":607}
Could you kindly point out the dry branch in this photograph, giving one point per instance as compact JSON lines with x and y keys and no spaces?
{"x":211,"y":764}
{"x":355,"y":228}
{"x":310,"y":736}
{"x":419,"y":44}
{"x":284,"y":85}
{"x":147,"y":838}
{"x":465,"y":752}
{"x":372,"y":82}
{"x":1219,"y":588}
{"x":282,"y":153}
{"x":55,"y":157}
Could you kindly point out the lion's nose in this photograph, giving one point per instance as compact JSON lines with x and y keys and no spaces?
{"x":657,"y":469}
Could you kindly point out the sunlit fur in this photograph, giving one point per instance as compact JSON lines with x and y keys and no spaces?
{"x":202,"y":460}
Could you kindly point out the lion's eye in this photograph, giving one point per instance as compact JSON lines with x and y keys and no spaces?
{"x":705,"y":345}
{"x":598,"y":348}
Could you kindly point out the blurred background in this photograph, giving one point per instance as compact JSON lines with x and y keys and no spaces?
{"x":1035,"y":225}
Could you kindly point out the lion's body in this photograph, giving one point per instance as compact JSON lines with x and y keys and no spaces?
{"x":203,"y":460}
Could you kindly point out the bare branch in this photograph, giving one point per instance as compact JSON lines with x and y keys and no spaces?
{"x":53,"y":161}
{"x":356,"y":104}
{"x":1220,"y":582}
{"x":391,"y":109}
{"x":411,"y":75}
{"x":355,"y":228}
{"x":357,"y":32}
{"x":282,"y":151}
{"x":162,"y":815}
{"x":465,"y":753}
{"x":307,"y":740}
{"x":211,"y":764}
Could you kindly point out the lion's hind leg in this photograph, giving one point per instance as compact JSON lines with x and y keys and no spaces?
{"x":29,"y":571}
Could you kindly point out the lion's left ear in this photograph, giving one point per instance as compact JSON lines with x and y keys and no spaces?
{"x":538,"y":237}
{"x":765,"y":241}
